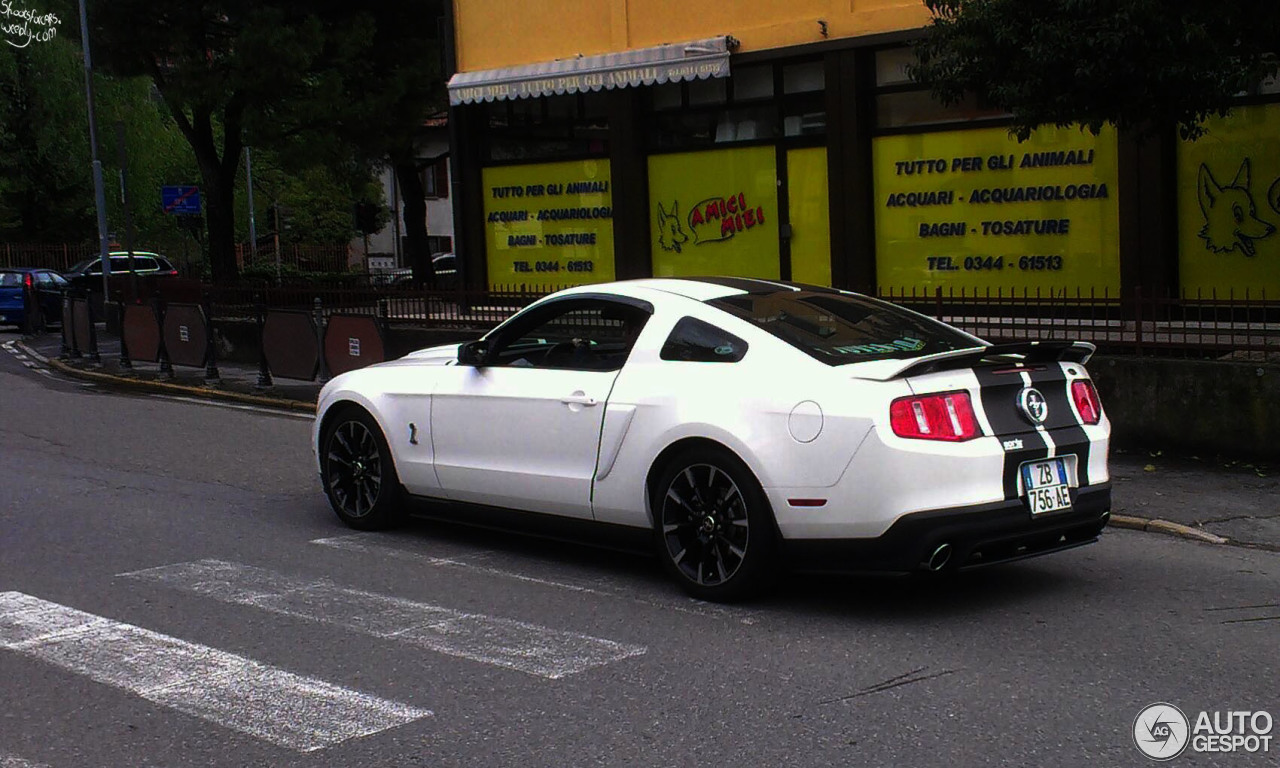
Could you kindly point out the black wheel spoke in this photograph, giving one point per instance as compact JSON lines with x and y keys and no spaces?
{"x":354,"y":467}
{"x":704,"y":524}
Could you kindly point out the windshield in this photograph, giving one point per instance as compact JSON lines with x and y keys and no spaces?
{"x":81,"y":266}
{"x":841,"y":328}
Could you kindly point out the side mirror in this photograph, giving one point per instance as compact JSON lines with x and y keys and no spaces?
{"x":473,"y":353}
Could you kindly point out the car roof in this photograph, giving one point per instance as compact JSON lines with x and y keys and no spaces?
{"x":27,"y":269}
{"x":706,"y":288}
{"x":135,"y":253}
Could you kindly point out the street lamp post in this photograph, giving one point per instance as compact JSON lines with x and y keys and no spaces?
{"x":99,"y":193}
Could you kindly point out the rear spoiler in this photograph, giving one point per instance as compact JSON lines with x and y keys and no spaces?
{"x":1014,"y":352}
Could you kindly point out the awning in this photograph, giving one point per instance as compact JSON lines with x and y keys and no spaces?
{"x":698,"y":59}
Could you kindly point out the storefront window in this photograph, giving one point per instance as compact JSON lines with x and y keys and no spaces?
{"x":906,"y":108}
{"x":572,"y":125}
{"x":705,"y":92}
{"x":753,"y":83}
{"x":803,"y":78}
{"x":668,"y":96}
{"x":891,"y":66}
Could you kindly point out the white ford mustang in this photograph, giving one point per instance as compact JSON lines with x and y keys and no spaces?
{"x":746,"y":423}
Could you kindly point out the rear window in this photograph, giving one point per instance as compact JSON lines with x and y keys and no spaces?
{"x":10,"y":279}
{"x":841,"y":328}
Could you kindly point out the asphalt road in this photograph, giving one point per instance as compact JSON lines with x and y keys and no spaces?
{"x":174,"y":591}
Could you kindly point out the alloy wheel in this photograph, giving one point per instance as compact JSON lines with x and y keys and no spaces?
{"x":354,"y":468}
{"x":705,"y":524}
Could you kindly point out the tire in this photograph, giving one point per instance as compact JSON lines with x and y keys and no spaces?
{"x":358,"y":473}
{"x":713,"y":528}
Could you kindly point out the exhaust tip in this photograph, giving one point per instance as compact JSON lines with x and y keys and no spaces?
{"x":940,"y":557}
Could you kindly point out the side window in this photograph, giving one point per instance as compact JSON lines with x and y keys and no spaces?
{"x":145,"y":264}
{"x":57,"y":280}
{"x":44,"y":279}
{"x":588,"y":335}
{"x":695,"y":341}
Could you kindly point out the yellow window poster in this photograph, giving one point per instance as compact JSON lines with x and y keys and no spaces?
{"x":1229,"y":206}
{"x":976,"y":210}
{"x":810,"y":211}
{"x":714,"y":213}
{"x":549,"y":224}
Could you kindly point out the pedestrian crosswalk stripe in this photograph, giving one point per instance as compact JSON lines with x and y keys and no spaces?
{"x":280,"y":707}
{"x":13,"y":761}
{"x":517,"y":645}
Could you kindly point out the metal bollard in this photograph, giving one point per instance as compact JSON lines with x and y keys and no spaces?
{"x":93,"y":357}
{"x":319,"y":322}
{"x":68,"y":329}
{"x":211,"y":376}
{"x":166,"y":367}
{"x":264,"y":370}
{"x":126,"y":365}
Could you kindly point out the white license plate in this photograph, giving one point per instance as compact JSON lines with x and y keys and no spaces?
{"x":1045,"y":485}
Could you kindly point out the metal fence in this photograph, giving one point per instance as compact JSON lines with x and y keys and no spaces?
{"x":59,"y":256}
{"x":1205,"y":325}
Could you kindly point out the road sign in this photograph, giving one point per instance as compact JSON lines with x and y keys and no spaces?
{"x":180,"y":200}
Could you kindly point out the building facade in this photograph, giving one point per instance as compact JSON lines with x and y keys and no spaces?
{"x":783,"y":139}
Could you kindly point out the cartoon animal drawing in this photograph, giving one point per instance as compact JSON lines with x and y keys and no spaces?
{"x":670,"y":235}
{"x":1230,"y":216}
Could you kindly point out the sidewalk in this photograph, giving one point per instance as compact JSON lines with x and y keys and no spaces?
{"x":236,"y":381}
{"x":1230,"y":499}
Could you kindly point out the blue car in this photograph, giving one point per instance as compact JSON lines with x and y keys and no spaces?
{"x":45,"y":285}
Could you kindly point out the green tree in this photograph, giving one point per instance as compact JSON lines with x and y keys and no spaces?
{"x":1135,"y":63}
{"x":44,"y":155}
{"x":390,"y":92}
{"x":231,"y":72}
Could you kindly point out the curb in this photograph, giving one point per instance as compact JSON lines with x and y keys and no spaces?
{"x":165,"y":387}
{"x":1166,"y":527}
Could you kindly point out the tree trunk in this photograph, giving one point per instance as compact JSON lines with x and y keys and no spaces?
{"x":414,"y":200}
{"x":219,"y":201}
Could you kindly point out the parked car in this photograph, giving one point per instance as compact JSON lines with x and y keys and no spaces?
{"x":745,"y":424}
{"x":45,"y":285}
{"x":88,"y":273}
{"x":443,"y":265}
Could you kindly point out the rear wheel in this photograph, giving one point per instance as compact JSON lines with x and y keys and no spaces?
{"x":359,"y":475}
{"x":713,"y":528}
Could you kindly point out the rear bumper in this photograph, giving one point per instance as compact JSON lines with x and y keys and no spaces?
{"x":978,"y":535}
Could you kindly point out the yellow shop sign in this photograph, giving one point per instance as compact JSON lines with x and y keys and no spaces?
{"x":549,"y":224}
{"x":713,"y":213}
{"x":977,"y":210}
{"x":1229,"y":206}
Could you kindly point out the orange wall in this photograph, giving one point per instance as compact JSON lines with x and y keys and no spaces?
{"x":495,"y":34}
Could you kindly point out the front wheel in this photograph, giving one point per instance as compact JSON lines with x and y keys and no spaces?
{"x":359,"y":475}
{"x":712,"y":525}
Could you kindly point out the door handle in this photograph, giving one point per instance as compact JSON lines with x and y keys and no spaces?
{"x":578,"y":398}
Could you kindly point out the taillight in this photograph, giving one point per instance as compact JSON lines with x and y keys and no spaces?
{"x":1087,"y":403}
{"x":946,"y":416}
{"x":27,"y":281}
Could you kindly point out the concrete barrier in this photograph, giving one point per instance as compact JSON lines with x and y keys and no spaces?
{"x":1191,"y":406}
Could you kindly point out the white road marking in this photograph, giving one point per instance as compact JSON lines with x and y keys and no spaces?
{"x":13,"y":761}
{"x":517,"y":645}
{"x":362,"y":543}
{"x":292,"y":711}
{"x":239,"y":407}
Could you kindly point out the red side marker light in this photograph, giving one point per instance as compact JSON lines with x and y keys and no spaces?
{"x":807,"y":502}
